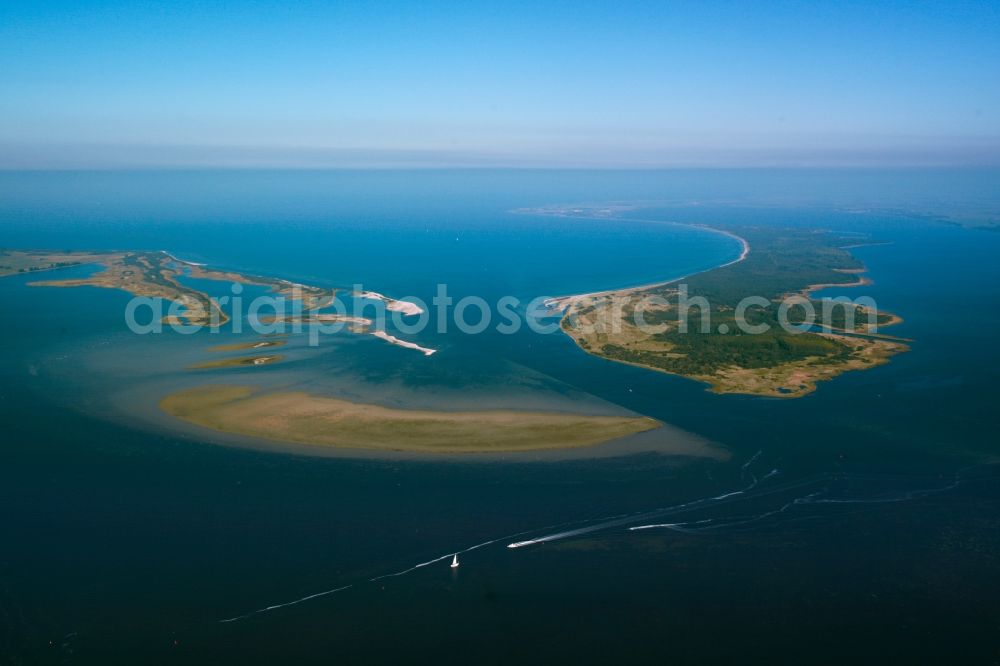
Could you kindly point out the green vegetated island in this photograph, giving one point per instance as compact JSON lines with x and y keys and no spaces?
{"x":301,"y":418}
{"x":776,"y":263}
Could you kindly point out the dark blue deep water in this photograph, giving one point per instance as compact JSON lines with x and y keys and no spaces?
{"x":870,"y":533}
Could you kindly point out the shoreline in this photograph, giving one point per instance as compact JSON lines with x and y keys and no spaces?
{"x":561,"y":303}
{"x":862,"y":281}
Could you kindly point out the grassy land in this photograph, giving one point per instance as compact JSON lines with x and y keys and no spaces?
{"x":13,"y":262}
{"x":781,"y":262}
{"x":324,"y":421}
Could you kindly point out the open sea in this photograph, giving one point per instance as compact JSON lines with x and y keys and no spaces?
{"x":859,"y":524}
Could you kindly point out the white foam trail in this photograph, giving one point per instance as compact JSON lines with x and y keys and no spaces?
{"x":622,"y":520}
{"x":905,"y":497}
{"x":710,"y":523}
{"x":749,"y":462}
{"x":440,"y":559}
{"x":746,"y":468}
{"x":812,"y":498}
{"x":625,"y":519}
{"x":679,"y":527}
{"x":413,"y":568}
{"x":569,"y":533}
{"x":734,"y":493}
{"x":286,"y":605}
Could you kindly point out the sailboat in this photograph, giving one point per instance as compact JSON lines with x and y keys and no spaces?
{"x":454,"y":561}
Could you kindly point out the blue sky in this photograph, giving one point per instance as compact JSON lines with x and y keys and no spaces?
{"x":109,"y":84}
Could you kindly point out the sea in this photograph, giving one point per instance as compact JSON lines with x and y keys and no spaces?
{"x":858,"y":524}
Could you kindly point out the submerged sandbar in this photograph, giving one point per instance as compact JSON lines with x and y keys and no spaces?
{"x":239,"y":346}
{"x":239,"y":362}
{"x":297,"y":417}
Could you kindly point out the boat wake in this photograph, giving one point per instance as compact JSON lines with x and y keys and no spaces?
{"x":816,"y":498}
{"x":287,"y":604}
{"x":818,"y":490}
{"x":450,"y":555}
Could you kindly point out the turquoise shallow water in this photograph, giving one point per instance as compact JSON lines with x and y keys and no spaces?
{"x":873,"y":533}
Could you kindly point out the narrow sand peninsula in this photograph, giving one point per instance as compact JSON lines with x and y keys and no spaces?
{"x":392,"y":339}
{"x":562,"y":303}
{"x":330,"y":422}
